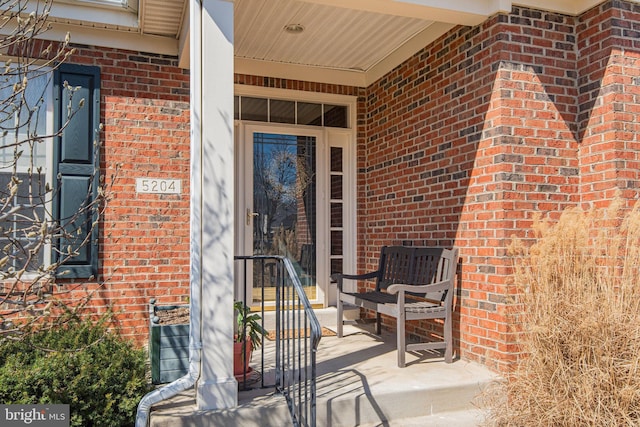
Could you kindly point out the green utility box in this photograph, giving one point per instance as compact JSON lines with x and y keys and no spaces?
{"x":168,"y":345}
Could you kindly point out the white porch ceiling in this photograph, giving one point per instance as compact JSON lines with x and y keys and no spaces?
{"x":333,"y":38}
{"x":344,"y":41}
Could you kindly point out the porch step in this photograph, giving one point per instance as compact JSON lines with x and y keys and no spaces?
{"x":359,"y":383}
{"x":256,"y":411}
{"x":468,"y":418}
{"x":355,"y":406}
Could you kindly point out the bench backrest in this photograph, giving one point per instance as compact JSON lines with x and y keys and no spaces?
{"x":415,"y":265}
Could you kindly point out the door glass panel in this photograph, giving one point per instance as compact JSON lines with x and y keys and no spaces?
{"x":336,"y":265}
{"x":284,"y":203}
{"x":336,"y":242}
{"x":336,"y":159}
{"x":236,"y":108}
{"x":291,"y":112}
{"x":282,"y":111}
{"x":336,"y":215}
{"x":336,"y":187}
{"x":335,"y":116}
{"x":309,"y":114}
{"x":256,"y":109}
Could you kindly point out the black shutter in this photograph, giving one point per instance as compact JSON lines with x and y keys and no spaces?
{"x":76,"y":166}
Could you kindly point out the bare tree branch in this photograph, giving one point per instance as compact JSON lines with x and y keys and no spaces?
{"x":30,"y":256}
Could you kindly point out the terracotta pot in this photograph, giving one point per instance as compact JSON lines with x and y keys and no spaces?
{"x":239,"y":368}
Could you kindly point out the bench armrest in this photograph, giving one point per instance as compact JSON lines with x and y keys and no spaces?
{"x":419,"y":289}
{"x":401,"y":288}
{"x":339,"y":277}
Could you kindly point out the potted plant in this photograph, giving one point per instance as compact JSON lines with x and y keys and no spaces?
{"x":245,"y":343}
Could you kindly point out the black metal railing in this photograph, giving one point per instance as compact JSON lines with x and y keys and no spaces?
{"x":297,"y":332}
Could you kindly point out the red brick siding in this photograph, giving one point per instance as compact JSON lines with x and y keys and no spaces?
{"x":474,"y":134}
{"x":144,"y":238}
{"x":243,"y":79}
{"x":608,"y":39}
{"x":465,"y":141}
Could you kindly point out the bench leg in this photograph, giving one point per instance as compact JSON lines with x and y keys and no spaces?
{"x":339,"y":320}
{"x":401,"y":340}
{"x":448,"y":338}
{"x":378,"y":324}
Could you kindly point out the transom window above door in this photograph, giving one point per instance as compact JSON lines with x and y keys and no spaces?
{"x":290,"y":112}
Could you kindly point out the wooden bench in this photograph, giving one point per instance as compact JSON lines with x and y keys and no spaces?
{"x":411,"y":283}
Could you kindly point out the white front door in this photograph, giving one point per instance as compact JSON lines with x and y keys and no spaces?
{"x":292,"y":202}
{"x":295,"y":197}
{"x":283,"y":194}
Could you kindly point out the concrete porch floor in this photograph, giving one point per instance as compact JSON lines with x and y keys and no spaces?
{"x":359,"y":384}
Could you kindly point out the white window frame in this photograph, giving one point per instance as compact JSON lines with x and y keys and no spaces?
{"x":48,"y":150}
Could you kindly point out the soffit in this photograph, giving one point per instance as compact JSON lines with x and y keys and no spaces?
{"x":153,"y":17}
{"x":162,"y":17}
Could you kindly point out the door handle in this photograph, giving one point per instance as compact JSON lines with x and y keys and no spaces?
{"x":250,"y":215}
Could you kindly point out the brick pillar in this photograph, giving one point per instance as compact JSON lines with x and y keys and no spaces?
{"x":609,"y":99}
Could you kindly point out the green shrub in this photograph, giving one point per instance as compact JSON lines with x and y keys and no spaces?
{"x":98,"y":374}
{"x":578,"y":323}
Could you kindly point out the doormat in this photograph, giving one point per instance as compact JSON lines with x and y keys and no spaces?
{"x":293,"y":333}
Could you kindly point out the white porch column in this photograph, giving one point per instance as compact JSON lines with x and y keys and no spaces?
{"x":212,"y":178}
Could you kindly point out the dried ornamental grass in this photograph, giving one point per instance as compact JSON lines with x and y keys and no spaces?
{"x":578,"y":323}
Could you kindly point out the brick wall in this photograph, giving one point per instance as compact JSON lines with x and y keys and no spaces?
{"x":144,"y":238}
{"x":609,"y":112}
{"x":526,"y":163}
{"x":528,"y":112}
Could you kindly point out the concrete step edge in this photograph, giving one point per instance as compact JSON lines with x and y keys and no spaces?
{"x":467,"y":418}
{"x":374,"y":406}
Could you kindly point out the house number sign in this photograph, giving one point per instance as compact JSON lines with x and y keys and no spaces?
{"x":158,"y":186}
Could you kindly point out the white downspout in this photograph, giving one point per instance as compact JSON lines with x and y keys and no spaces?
{"x":195,"y":271}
